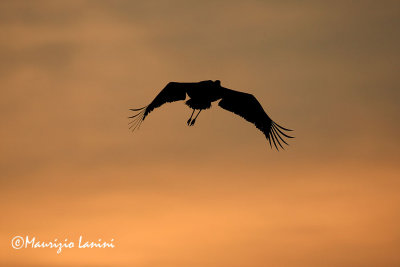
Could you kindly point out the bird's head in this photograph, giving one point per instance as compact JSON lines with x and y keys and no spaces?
{"x":217,"y":82}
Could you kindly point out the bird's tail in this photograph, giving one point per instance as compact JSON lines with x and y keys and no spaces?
{"x":137,"y":118}
{"x":275,"y":134}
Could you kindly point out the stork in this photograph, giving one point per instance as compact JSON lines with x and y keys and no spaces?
{"x":202,"y":94}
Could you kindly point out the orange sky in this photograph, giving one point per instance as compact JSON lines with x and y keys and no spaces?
{"x":213,"y":194}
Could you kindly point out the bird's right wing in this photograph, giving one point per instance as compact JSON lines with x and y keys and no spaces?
{"x":172,"y":92}
{"x":247,"y":106}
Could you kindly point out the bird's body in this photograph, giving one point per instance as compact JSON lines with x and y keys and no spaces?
{"x":203,"y":93}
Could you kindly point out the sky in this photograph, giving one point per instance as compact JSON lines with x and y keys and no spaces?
{"x":214,"y":194}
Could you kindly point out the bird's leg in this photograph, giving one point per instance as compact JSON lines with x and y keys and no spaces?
{"x":194,"y":120}
{"x":188,"y":122}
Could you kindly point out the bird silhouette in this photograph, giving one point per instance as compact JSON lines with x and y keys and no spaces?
{"x":202,"y":94}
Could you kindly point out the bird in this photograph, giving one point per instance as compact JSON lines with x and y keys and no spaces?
{"x":202,"y":94}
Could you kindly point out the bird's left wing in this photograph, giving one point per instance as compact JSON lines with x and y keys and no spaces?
{"x":172,"y":92}
{"x":247,"y":106}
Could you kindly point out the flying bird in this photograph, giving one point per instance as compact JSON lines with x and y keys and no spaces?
{"x":202,"y":94}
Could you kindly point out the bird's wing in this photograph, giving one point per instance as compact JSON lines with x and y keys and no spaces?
{"x":171,"y":93}
{"x":247,"y":106}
